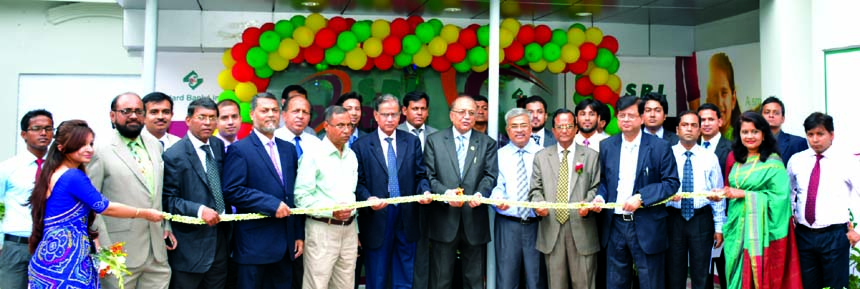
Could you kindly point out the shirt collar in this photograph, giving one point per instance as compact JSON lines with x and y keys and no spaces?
{"x":571,"y":149}
{"x":423,"y":127}
{"x":330,"y":150}
{"x":195,"y":141}
{"x":383,"y":136}
{"x":129,"y":141}
{"x":263,"y":138}
{"x":659,"y":132}
{"x":530,"y":147}
{"x":714,"y":140}
{"x":468,"y":134}
{"x":539,"y":133}
{"x":635,"y":143}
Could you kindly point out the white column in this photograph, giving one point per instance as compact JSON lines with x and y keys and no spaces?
{"x":150,"y":46}
{"x":493,"y":121}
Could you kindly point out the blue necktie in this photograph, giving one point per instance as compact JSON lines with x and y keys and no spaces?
{"x":522,"y":184}
{"x":687,"y":187}
{"x":707,"y":144}
{"x":299,"y":150}
{"x":536,"y":138}
{"x":461,"y":152}
{"x":393,"y":184}
{"x":352,"y":140}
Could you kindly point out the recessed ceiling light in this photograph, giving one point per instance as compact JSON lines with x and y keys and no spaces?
{"x":311,"y":3}
{"x":452,"y":9}
{"x":583,"y":14}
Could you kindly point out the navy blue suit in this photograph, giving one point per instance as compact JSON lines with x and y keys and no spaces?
{"x":389,"y":235}
{"x":263,"y":248}
{"x":644,"y":239}
{"x":789,"y":145}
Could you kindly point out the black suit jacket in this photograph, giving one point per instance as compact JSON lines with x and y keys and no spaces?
{"x":373,"y":182}
{"x":789,"y":145}
{"x":656,"y":180}
{"x":479,"y":176}
{"x":670,"y":137}
{"x":252,"y":185}
{"x":186,"y":188}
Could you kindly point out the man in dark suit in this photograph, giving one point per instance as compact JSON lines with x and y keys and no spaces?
{"x":773,"y":111}
{"x":654,"y":115}
{"x":536,"y":106}
{"x":459,"y":159}
{"x":638,"y":171}
{"x":192,"y":187}
{"x":713,"y":141}
{"x":259,"y":177}
{"x":390,"y":164}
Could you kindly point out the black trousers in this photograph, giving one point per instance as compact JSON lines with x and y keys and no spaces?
{"x":442,"y":260}
{"x":215,"y":278}
{"x":823,"y":256}
{"x":690,"y":242}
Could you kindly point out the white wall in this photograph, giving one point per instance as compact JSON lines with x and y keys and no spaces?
{"x":735,"y":30}
{"x":90,"y":45}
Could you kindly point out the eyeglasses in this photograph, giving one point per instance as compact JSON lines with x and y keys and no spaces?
{"x":342,"y":126}
{"x":464,"y":112}
{"x":565,"y":127}
{"x":520,"y":126}
{"x":389,"y":115}
{"x":46,"y":129}
{"x":128,"y":111}
{"x":211,"y":118}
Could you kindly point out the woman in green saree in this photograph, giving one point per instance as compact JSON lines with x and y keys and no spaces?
{"x":760,"y":249}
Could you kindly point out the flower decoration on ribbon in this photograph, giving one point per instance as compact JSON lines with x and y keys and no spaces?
{"x":579,"y":167}
{"x":111,"y":261}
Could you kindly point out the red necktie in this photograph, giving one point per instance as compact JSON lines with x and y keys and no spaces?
{"x":812,"y":191}
{"x":39,"y":163}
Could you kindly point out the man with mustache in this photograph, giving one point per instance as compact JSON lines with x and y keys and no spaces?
{"x":127,"y":168}
{"x":17,"y":178}
{"x":158,"y":114}
{"x":229,"y":121}
{"x":536,"y":106}
{"x":587,"y":113}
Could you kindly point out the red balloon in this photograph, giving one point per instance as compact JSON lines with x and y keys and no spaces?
{"x":299,"y":57}
{"x":414,"y":20}
{"x":468,"y":38}
{"x":314,"y":54}
{"x":269,"y":26}
{"x":391,"y":45}
{"x":584,"y":86}
{"x":473,"y":27}
{"x":337,"y":24}
{"x":384,"y":62}
{"x":543,"y":34}
{"x":455,"y":53}
{"x":514,"y":52}
{"x":325,"y":38}
{"x":251,"y":36}
{"x":440,"y":64}
{"x":610,"y":43}
{"x":349,"y":23}
{"x":602,"y":93}
{"x":369,"y":65}
{"x":399,"y":28}
{"x":260,"y":83}
{"x":578,"y":67}
{"x":244,"y":130}
{"x":242,"y":72}
{"x":587,"y":51}
{"x":239,"y":51}
{"x":614,"y":98}
{"x":526,"y":35}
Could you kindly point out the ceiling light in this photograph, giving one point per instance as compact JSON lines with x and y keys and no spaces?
{"x":452,"y":9}
{"x":311,"y":3}
{"x":583,"y":14}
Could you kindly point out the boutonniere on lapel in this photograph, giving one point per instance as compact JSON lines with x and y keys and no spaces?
{"x":579,"y":167}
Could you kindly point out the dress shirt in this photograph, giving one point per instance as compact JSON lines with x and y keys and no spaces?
{"x":838,"y":187}
{"x":627,"y":170}
{"x":507,"y":182}
{"x":658,"y":134}
{"x":593,"y":141}
{"x":201,"y":154}
{"x":712,"y":143}
{"x":468,"y":135}
{"x":309,"y":141}
{"x":17,"y":179}
{"x":227,"y":143}
{"x":541,"y":134}
{"x":420,"y":136}
{"x":707,"y":175}
{"x":326,"y":178}
{"x":384,"y":143}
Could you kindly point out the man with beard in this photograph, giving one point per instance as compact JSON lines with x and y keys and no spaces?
{"x":158,"y":114}
{"x":17,"y":178}
{"x":127,"y":168}
{"x":481,"y":118}
{"x":536,"y":107}
{"x":229,"y":121}
{"x":587,"y":114}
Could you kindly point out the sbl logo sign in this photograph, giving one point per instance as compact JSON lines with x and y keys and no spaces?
{"x":193,"y":80}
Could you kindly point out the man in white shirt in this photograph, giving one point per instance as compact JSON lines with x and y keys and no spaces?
{"x":158,"y":115}
{"x":297,"y":115}
{"x":17,"y":178}
{"x":587,"y":120}
{"x":416,"y":108}
{"x":712,"y":140}
{"x":229,"y":121}
{"x":825,"y":194}
{"x":536,"y":106}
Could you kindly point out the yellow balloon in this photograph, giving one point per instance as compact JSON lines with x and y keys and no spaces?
{"x":538,"y":66}
{"x":506,"y":37}
{"x":575,"y":36}
{"x":590,"y":67}
{"x":380,"y":29}
{"x":276,"y":62}
{"x":437,"y":46}
{"x":303,"y":36}
{"x":372,"y":47}
{"x":511,"y":24}
{"x":481,"y":68}
{"x":226,"y":80}
{"x":450,"y":32}
{"x":288,"y":49}
{"x":614,"y":82}
{"x":356,"y":59}
{"x":422,"y":58}
{"x":594,"y":35}
{"x":569,"y":53}
{"x":556,"y":66}
{"x":227,"y":59}
{"x":315,"y":21}
{"x":501,"y":55}
{"x":598,"y":76}
{"x":245,"y":91}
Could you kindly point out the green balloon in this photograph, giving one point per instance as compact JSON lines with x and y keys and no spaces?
{"x":228,"y":94}
{"x":551,"y":52}
{"x":298,"y":21}
{"x":437,"y":25}
{"x":346,"y":41}
{"x":402,"y":60}
{"x":257,"y":57}
{"x":284,"y":28}
{"x":264,"y":72}
{"x":411,"y":44}
{"x":424,"y":31}
{"x":612,"y":127}
{"x":604,"y":58}
{"x":484,"y":35}
{"x":522,"y":62}
{"x":245,"y":111}
{"x":559,"y":37}
{"x":361,"y":30}
{"x":611,"y":107}
{"x":321,"y":66}
{"x":613,"y":68}
{"x":462,"y":66}
{"x":269,"y":41}
{"x":534,"y":52}
{"x":578,"y":26}
{"x":334,"y":56}
{"x":477,"y":56}
{"x":578,"y":97}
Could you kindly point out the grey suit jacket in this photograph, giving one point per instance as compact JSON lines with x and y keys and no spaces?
{"x":548,"y":138}
{"x":582,"y":187}
{"x":115,"y":173}
{"x":428,"y":130}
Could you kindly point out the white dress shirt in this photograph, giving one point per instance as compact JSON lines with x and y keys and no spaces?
{"x":384,"y":143}
{"x":706,"y":176}
{"x":507,"y":183}
{"x":417,"y":131}
{"x":712,"y":144}
{"x":308,"y":142}
{"x":627,"y":170}
{"x":593,"y":141}
{"x":541,"y":136}
{"x":658,"y":134}
{"x":17,"y":179}
{"x":838,"y":187}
